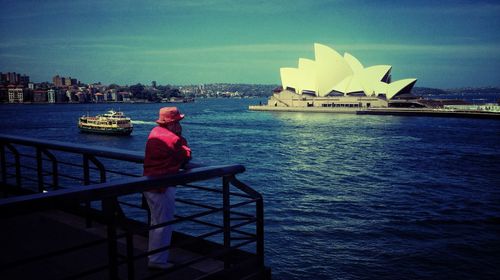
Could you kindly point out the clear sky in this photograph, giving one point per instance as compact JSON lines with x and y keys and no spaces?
{"x":443,"y":43}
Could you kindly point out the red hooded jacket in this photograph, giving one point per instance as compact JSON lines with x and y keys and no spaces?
{"x":166,"y":152}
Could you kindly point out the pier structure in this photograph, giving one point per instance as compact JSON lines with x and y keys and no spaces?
{"x":72,"y":211}
{"x":429,"y":112}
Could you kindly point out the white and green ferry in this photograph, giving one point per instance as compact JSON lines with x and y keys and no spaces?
{"x":111,"y":123}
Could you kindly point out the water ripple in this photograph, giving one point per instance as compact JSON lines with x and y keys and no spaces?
{"x":346,"y":196}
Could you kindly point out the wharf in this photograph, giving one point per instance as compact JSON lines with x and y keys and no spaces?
{"x":425,"y":112}
{"x":32,"y":235}
{"x":67,"y":212}
{"x":346,"y":110}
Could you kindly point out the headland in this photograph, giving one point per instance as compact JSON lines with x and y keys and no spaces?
{"x":337,"y":83}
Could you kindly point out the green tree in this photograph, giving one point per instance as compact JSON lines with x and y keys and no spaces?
{"x":113,"y":86}
{"x":137,"y":91}
{"x":175,"y":92}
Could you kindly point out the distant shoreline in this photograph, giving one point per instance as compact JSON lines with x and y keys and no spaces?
{"x":127,"y":102}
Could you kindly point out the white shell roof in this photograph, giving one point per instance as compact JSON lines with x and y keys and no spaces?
{"x":345,"y":74}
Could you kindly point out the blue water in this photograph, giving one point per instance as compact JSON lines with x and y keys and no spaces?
{"x":346,"y":196}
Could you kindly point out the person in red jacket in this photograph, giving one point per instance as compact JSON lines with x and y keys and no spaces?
{"x":166,"y":153}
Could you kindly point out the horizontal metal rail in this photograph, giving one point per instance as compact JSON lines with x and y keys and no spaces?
{"x":74,"y":148}
{"x":117,"y":188}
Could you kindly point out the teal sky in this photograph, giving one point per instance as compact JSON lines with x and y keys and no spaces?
{"x":443,"y":44}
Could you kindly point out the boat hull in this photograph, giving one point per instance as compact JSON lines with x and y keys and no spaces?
{"x":105,"y":130}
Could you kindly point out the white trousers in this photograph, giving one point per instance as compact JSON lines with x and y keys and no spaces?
{"x":162,"y":206}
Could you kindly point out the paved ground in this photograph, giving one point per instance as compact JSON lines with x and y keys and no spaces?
{"x":32,"y":235}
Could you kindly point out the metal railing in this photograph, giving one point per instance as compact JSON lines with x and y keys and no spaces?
{"x":106,"y":184}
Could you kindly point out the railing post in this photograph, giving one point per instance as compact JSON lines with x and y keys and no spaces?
{"x":130,"y":255}
{"x":259,"y":205}
{"x":86,"y":170}
{"x":226,"y":216}
{"x":39,"y":169}
{"x":259,"y":212}
{"x":100,"y":166}
{"x":3,"y":163}
{"x":86,"y":181}
{"x":108,"y":206}
{"x":17,"y":159}
{"x":55,"y":173}
{"x":102,"y":179}
{"x":18,"y":169}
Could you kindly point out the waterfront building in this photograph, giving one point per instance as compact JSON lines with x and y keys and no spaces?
{"x":61,"y":96}
{"x":14,"y":78}
{"x":16,"y":94}
{"x":123,"y":96}
{"x":335,"y":81}
{"x":57,"y":81}
{"x":51,"y":96}
{"x":99,"y":97}
{"x":3,"y":78}
{"x":24,"y":80}
{"x":112,"y":95}
{"x":4,"y":94}
{"x":71,"y":96}
{"x":40,"y":96}
{"x":78,"y":97}
{"x":67,"y":81}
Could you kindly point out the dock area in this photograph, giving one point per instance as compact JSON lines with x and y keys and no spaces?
{"x":345,"y":110}
{"x":55,"y":227}
{"x":426,"y":112}
{"x":33,"y":235}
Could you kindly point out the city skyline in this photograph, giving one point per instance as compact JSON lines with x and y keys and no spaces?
{"x":444,"y":45}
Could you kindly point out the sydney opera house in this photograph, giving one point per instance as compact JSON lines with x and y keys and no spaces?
{"x":335,"y":82}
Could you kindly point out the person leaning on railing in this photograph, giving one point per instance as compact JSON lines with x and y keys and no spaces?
{"x":166,"y":152}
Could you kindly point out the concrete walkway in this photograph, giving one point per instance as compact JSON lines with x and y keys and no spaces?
{"x":32,"y":235}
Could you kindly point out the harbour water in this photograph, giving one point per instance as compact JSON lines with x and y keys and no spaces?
{"x":346,"y":196}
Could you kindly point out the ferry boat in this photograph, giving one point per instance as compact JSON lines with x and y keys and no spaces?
{"x":111,"y":123}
